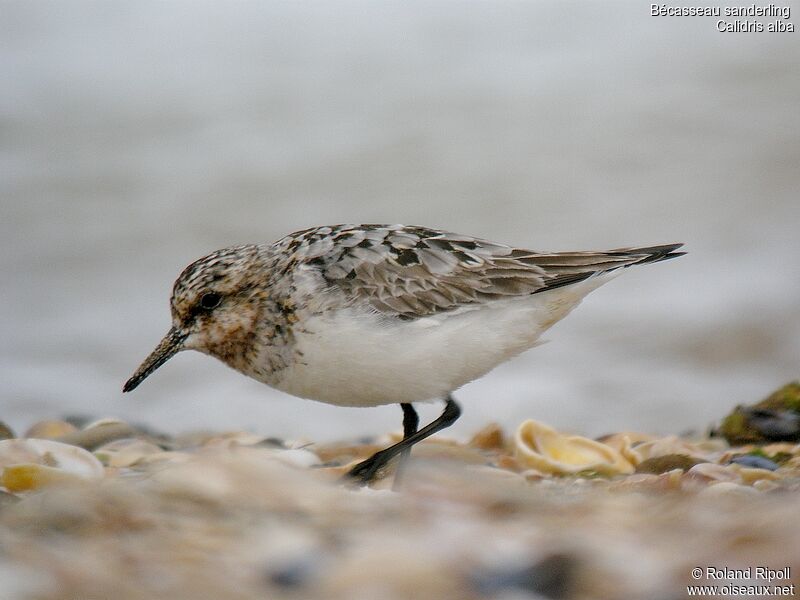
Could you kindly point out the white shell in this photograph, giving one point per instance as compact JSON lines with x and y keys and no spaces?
{"x":105,"y":421}
{"x":545,"y":449}
{"x":728,"y":487}
{"x":297,"y":457}
{"x":750,"y":475}
{"x":125,"y":452}
{"x":50,"y":455}
{"x":232,"y":439}
{"x":709,"y":473}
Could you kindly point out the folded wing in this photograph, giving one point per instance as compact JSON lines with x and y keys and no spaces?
{"x":413,"y":272}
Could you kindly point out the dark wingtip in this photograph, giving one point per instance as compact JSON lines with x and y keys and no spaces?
{"x":673,"y":255}
{"x":658,"y":253}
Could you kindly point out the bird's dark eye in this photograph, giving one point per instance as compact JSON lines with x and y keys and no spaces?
{"x":210,"y":300}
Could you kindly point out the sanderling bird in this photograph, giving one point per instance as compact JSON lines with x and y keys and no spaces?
{"x":365,"y":315}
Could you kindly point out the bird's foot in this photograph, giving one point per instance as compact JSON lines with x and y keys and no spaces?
{"x":365,"y":471}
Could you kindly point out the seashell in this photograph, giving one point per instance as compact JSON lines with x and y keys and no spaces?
{"x":532,"y":475}
{"x":668,"y":481}
{"x":750,"y":475}
{"x":664,"y":446}
{"x":545,"y":449}
{"x":710,"y":445}
{"x":726,"y":488}
{"x":781,"y":448}
{"x":636,"y":482}
{"x":49,"y":430}
{"x":625,"y":438}
{"x":764,"y":485}
{"x":493,"y":472}
{"x":509,"y":463}
{"x":241,"y":441}
{"x":489,"y":438}
{"x":234,"y":438}
{"x":626,"y":449}
{"x":297,"y":457}
{"x":99,"y":432}
{"x":163,"y":458}
{"x":728,"y":455}
{"x":125,"y":452}
{"x":25,"y":477}
{"x":710,"y":473}
{"x":30,"y":463}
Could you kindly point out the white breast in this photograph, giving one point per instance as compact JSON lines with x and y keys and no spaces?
{"x":353,"y":357}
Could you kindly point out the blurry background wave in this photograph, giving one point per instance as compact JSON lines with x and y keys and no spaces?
{"x":136,"y":137}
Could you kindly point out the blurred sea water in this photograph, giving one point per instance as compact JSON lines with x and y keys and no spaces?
{"x":136,"y":137}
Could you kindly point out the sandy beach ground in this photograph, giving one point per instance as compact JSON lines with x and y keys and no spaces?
{"x":528,"y":514}
{"x":137,"y":139}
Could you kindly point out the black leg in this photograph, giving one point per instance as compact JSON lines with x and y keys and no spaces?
{"x":410,"y":420}
{"x":364,"y":471}
{"x":410,"y":423}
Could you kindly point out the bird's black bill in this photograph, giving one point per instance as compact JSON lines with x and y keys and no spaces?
{"x":169,"y":347}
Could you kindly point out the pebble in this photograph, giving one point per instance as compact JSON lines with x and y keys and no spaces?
{"x":667,"y":462}
{"x":489,"y":438}
{"x":757,"y":462}
{"x":5,"y":432}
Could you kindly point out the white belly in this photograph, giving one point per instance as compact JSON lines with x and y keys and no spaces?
{"x":355,"y":358}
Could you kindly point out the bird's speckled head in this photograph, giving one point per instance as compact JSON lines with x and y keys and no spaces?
{"x":209,"y":287}
{"x":215,"y":304}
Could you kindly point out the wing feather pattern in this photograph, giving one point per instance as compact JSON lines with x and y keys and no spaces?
{"x":412,"y":272}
